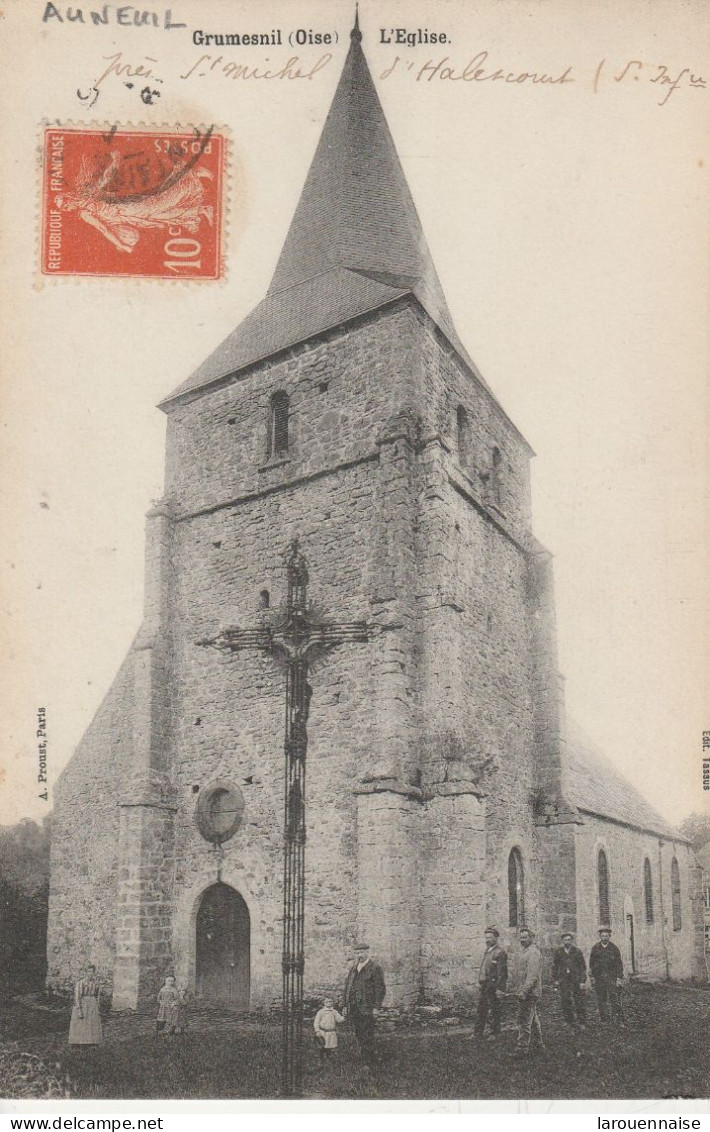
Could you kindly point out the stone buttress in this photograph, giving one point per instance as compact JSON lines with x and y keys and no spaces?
{"x":147,"y":807}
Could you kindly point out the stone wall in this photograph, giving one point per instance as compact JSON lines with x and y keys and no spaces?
{"x":229,"y":709}
{"x":440,"y":579}
{"x":341,"y":387}
{"x":447,"y":386}
{"x":476,"y":668}
{"x":434,"y":746}
{"x":229,"y":714}
{"x":389,"y":833}
{"x":660,"y":950}
{"x":555,"y":861}
{"x":84,"y":853}
{"x":453,"y":894}
{"x":145,"y":887}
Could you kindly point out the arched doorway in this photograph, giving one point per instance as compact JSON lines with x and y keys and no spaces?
{"x":223,"y":942}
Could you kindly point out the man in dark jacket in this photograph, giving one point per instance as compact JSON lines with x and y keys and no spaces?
{"x":569,"y":972}
{"x":492,"y":978}
{"x":364,"y":995}
{"x":606,"y":972}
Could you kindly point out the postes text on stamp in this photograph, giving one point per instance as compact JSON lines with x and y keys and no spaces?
{"x":137,"y":203}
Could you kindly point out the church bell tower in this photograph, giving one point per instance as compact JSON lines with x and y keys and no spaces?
{"x":344,"y":416}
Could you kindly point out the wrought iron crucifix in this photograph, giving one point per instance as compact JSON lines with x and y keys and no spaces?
{"x":298,"y":636}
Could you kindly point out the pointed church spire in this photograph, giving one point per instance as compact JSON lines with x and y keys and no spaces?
{"x":355,"y":241}
{"x":356,"y":210}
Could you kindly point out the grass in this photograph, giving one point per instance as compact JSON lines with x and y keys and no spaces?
{"x":662,"y":1053}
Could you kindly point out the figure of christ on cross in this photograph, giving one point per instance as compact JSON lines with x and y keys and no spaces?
{"x":299,"y":637}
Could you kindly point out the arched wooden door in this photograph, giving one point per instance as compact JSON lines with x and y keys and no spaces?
{"x":223,"y":943}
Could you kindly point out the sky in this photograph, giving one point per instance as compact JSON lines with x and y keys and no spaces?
{"x":569,"y":229}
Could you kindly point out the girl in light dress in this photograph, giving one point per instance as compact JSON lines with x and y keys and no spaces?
{"x":85,"y":1026}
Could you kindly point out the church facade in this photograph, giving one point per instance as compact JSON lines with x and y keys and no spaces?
{"x":445,"y":789}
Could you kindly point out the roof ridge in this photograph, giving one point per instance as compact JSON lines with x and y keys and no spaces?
{"x":604,"y":798}
{"x":308,"y":278}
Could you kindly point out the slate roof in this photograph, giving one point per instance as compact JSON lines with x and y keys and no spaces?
{"x":311,"y":307}
{"x":355,"y":241}
{"x":596,"y":786}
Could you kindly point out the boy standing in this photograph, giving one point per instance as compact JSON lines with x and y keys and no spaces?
{"x":325,"y":1025}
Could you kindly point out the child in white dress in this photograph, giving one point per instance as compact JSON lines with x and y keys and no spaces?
{"x":324,"y":1024}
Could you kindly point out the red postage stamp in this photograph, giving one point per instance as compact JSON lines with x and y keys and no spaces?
{"x":128,"y":202}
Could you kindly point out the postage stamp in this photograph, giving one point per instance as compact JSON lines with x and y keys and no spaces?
{"x":129,"y":202}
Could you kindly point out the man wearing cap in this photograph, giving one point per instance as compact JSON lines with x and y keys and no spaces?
{"x":569,"y":971}
{"x":364,"y":995}
{"x":529,"y":977}
{"x":492,"y":978}
{"x":606,"y":972}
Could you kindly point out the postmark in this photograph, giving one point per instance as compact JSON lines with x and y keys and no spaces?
{"x":131,"y":202}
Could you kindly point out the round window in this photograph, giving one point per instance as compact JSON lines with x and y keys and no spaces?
{"x":220,"y":807}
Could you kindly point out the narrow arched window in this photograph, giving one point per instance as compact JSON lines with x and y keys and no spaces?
{"x":496,"y":477}
{"x":516,"y":889}
{"x":675,"y":896}
{"x":463,"y":437}
{"x":603,"y":885}
{"x":277,"y":444}
{"x":648,"y":890}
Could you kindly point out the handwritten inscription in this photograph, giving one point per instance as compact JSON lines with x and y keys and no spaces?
{"x":659,"y":78}
{"x":130,"y":71}
{"x":116,"y":66}
{"x":476,"y":70}
{"x":667,"y":80}
{"x":479,"y":69}
{"x":706,"y":761}
{"x":291,"y":69}
{"x":126,"y":16}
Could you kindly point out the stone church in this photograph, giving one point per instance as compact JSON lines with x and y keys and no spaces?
{"x":445,"y":790}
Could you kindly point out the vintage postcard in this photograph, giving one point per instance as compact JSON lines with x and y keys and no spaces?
{"x":354,"y":400}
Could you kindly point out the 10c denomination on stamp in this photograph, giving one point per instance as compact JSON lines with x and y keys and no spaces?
{"x":135,"y":203}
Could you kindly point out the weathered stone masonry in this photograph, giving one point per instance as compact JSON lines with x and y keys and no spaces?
{"x":437,"y":747}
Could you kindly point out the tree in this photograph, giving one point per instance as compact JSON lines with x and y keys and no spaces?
{"x":696,"y":827}
{"x":24,"y":893}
